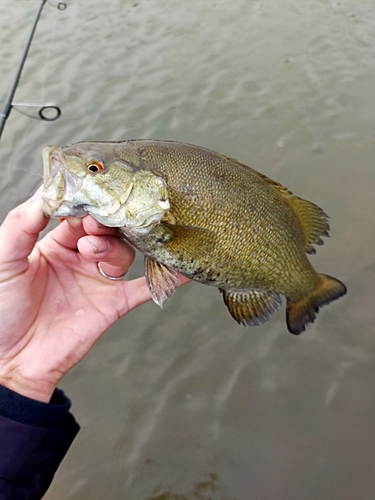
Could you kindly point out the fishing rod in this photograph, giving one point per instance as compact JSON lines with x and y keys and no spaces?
{"x":47,"y":112}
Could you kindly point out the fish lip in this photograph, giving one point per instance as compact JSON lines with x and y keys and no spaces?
{"x":60,"y":185}
{"x":49,"y":168}
{"x":50,"y":207}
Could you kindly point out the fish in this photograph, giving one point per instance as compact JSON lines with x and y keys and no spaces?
{"x":193,"y":211}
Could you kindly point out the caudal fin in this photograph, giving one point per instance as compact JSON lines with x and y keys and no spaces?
{"x":299,"y":314}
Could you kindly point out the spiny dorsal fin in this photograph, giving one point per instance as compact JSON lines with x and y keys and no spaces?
{"x":161,"y":281}
{"x":313,"y":220}
{"x":278,"y":186}
{"x":251,"y":307}
{"x":282,"y":189}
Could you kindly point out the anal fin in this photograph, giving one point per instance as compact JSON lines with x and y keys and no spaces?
{"x":161,"y":281}
{"x":251,"y":307}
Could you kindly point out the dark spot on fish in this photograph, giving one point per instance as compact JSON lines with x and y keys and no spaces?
{"x":256,"y":230}
{"x":190,"y":192}
{"x":198,"y":271}
{"x":186,"y":188}
{"x":219,"y":175}
{"x":141,"y":150}
{"x":163,"y":237}
{"x":251,"y":207}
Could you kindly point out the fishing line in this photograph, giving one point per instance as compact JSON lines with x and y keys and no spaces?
{"x":47,"y":111}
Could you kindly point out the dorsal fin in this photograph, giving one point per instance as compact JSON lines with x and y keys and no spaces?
{"x":313,"y":220}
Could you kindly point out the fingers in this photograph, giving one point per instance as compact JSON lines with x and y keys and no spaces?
{"x":137,"y":293}
{"x":94,"y":227}
{"x":95,"y":242}
{"x":183,"y":280}
{"x":115,"y":255}
{"x":72,"y":229}
{"x":68,"y":233}
{"x":19,"y":234}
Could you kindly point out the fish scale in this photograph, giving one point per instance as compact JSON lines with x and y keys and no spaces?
{"x":233,"y":189}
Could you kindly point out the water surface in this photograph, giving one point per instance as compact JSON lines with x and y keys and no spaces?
{"x":183,"y":403}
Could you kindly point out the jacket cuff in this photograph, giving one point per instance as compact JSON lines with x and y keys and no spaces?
{"x":29,"y":411}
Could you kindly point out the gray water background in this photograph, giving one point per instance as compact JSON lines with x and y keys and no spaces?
{"x":183,"y":403}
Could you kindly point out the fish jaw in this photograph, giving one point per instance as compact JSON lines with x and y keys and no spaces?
{"x":54,"y":183}
{"x":60,"y":186}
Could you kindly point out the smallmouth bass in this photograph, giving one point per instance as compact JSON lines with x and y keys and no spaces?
{"x":207,"y":216}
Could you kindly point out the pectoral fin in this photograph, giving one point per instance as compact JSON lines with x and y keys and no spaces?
{"x":161,"y":280}
{"x":197,"y":234}
{"x":251,"y":307}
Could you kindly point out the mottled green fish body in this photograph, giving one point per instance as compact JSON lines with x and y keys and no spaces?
{"x":207,"y":216}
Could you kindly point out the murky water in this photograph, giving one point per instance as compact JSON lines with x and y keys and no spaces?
{"x":183,"y":403}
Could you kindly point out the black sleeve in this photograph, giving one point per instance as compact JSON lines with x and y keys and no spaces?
{"x":34,"y":438}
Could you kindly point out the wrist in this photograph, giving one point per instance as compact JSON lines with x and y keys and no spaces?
{"x":30,"y":388}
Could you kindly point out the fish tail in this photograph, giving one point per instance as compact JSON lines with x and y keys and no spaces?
{"x":299,"y":314}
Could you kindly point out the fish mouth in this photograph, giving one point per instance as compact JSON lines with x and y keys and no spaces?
{"x":60,"y":185}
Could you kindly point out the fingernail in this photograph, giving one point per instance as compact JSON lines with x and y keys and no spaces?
{"x":98,"y":245}
{"x":74,"y":221}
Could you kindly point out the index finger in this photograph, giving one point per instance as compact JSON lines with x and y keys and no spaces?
{"x":95,"y":228}
{"x":68,"y":233}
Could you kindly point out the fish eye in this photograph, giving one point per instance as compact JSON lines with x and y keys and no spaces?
{"x":94,"y":166}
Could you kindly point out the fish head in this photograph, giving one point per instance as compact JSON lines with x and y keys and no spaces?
{"x":88,"y":178}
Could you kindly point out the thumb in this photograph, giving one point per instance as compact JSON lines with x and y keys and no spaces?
{"x":19,"y":234}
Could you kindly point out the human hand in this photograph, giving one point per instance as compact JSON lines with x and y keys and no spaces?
{"x":54,"y":303}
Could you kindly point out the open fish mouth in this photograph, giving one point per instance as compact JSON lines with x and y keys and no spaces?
{"x":60,"y":185}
